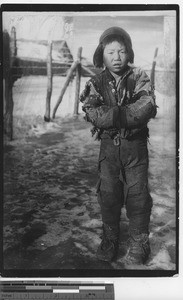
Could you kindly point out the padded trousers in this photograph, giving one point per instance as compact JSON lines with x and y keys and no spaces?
{"x":123,"y":180}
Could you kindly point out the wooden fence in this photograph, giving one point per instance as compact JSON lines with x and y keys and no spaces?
{"x":14,"y":67}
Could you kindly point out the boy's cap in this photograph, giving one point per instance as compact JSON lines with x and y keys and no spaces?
{"x":116,"y":31}
{"x":112,"y":31}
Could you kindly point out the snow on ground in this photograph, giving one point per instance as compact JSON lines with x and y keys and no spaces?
{"x":30,"y":96}
{"x":51,"y":215}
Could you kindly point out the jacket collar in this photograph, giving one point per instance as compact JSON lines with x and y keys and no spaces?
{"x":111,"y":78}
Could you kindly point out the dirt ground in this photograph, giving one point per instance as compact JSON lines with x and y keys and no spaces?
{"x":51,"y":215}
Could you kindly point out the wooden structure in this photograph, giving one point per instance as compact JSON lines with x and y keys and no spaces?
{"x":9,"y":50}
{"x":49,"y":83}
{"x":32,"y":55}
{"x":68,"y":78}
{"x":152,"y":76}
{"x":78,"y":80}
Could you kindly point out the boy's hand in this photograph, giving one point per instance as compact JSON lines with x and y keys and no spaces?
{"x":102,"y":117}
{"x":92,"y":101}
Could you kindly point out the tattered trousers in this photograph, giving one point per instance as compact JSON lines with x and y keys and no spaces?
{"x":123,"y":180}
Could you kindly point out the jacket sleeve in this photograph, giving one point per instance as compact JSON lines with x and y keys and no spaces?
{"x":143,"y":106}
{"x":91,"y":97}
{"x":97,"y":112}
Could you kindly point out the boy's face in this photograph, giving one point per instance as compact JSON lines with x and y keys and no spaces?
{"x":115,"y":57}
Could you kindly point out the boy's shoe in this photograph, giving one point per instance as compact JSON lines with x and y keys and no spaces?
{"x":139,"y":249}
{"x":108,"y":248}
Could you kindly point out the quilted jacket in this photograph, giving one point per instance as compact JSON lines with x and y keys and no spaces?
{"x":124,"y":109}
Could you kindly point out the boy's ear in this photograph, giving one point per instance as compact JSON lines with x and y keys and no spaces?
{"x":131,"y":56}
{"x":131,"y":65}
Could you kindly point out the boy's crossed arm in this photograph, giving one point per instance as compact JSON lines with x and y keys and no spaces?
{"x":130,"y":116}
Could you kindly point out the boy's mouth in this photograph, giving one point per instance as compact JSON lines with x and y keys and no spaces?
{"x":117,"y":64}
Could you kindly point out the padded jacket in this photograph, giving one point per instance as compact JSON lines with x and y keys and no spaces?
{"x":123,"y":110}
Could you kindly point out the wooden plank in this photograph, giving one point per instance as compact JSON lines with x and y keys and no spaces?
{"x":42,"y":42}
{"x":152,"y":76}
{"x":49,"y":82}
{"x":78,"y":80}
{"x":13,"y":44}
{"x":37,"y":51}
{"x":68,"y":78}
{"x":87,"y":70}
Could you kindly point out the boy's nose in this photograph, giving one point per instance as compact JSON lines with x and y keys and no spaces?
{"x":116,"y":56}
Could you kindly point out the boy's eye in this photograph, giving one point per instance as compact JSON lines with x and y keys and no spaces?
{"x":121,"y":52}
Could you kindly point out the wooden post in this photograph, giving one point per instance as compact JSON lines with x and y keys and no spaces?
{"x":78,"y":80}
{"x":13,"y":45}
{"x":49,"y":82}
{"x":152,"y":76}
{"x":68,"y":78}
{"x":7,"y":74}
{"x":88,"y":70}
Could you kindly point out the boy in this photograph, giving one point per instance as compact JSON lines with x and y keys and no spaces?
{"x":119,"y":102}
